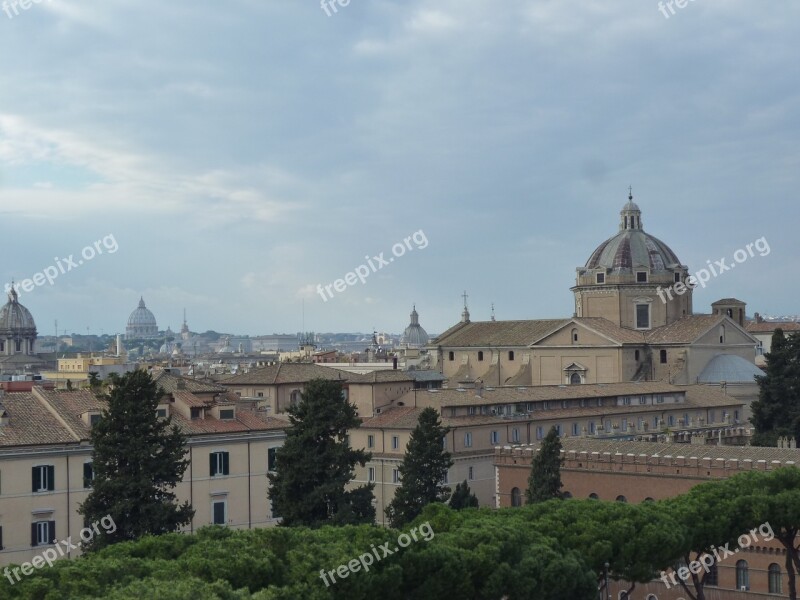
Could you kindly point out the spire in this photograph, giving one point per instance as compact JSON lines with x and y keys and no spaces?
{"x":141,"y":302}
{"x":414,"y":315}
{"x":630,"y":217}
{"x":465,"y":314}
{"x":12,"y":293}
{"x":493,"y":319}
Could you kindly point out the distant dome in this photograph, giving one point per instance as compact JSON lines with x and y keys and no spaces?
{"x":632,"y":247}
{"x":15,"y":319}
{"x":729,"y":368}
{"x":414,"y":335}
{"x":141,"y":323}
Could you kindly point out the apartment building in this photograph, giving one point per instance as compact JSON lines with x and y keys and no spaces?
{"x":46,"y":458}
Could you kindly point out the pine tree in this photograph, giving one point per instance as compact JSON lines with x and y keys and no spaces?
{"x":316,"y":464}
{"x":463,"y":498}
{"x":776,"y":413}
{"x":137,"y":461}
{"x":544,"y":482}
{"x":422,"y":471}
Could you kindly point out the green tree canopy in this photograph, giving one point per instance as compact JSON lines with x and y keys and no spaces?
{"x":463,"y":497}
{"x":137,"y":461}
{"x":422,"y":471}
{"x":776,"y":413}
{"x":544,"y":482}
{"x":316,"y":464}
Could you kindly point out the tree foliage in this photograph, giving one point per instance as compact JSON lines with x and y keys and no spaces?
{"x":463,"y":497}
{"x":137,"y":461}
{"x":544,"y":482}
{"x":422,"y":471}
{"x":776,"y":413}
{"x":316,"y":464}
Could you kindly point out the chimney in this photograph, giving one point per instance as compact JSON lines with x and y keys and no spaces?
{"x":394,"y":363}
{"x":4,"y":416}
{"x":181,"y":384}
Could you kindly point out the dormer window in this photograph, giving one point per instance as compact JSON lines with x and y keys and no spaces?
{"x":226,"y":414}
{"x":641,"y":276}
{"x":197,"y":413}
{"x":161,"y":413}
{"x":600,"y":277}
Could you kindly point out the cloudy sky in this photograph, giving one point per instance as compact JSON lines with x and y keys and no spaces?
{"x":242,"y":152}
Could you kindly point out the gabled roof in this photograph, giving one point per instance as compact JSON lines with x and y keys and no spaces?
{"x":499,"y":333}
{"x":388,"y":375}
{"x":287,"y":373}
{"x":771,"y":326}
{"x":170,"y":383}
{"x":689,"y":329}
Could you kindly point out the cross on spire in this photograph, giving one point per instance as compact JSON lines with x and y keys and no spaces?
{"x":630,"y":192}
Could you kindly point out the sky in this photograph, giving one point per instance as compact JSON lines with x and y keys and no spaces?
{"x":239,"y":156}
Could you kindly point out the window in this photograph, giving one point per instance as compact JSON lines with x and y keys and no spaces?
{"x":636,"y":356}
{"x":722,"y":334}
{"x":642,"y":316}
{"x":88,"y":475}
{"x":226,"y":414}
{"x":495,"y":437}
{"x":624,"y":425}
{"x":452,"y":411}
{"x":713,"y":575}
{"x":471,"y":475}
{"x":677,"y":277}
{"x":471,"y":410}
{"x":515,"y":435}
{"x":516,"y":497}
{"x":642,"y":399}
{"x":19,"y":346}
{"x":161,"y":413}
{"x":219,"y":463}
{"x":219,"y":508}
{"x":742,"y":576}
{"x":600,"y":278}
{"x":370,"y":441}
{"x":575,"y":429}
{"x":467,"y":440}
{"x":648,"y":499}
{"x":626,"y":400}
{"x":260,"y":395}
{"x":641,"y":276}
{"x":539,"y":432}
{"x":196,"y":413}
{"x":446,"y":478}
{"x":671,"y":420}
{"x":43,"y":533}
{"x":775,"y":584}
{"x":94,"y":419}
{"x":575,"y":379}
{"x":510,"y":355}
{"x":44,"y":478}
{"x":594,"y":496}
{"x":621,"y":498}
{"x":558,"y":429}
{"x":712,"y":416}
{"x":271,"y":457}
{"x":663,"y":356}
{"x":395,"y":442}
{"x":480,"y":355}
{"x":574,"y":336}
{"x":395,"y":476}
{"x":451,"y":356}
{"x":659,"y":399}
{"x":655,"y":422}
{"x":371,"y":473}
{"x":591,"y":427}
{"x":444,"y":442}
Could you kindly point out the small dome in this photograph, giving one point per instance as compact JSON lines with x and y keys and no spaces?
{"x":729,"y":368}
{"x":414,"y":335}
{"x":15,"y":318}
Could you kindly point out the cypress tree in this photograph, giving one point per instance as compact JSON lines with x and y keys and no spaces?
{"x":776,"y":413}
{"x":544,"y":482}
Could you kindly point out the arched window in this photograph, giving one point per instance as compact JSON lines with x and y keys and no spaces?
{"x":566,"y":495}
{"x":574,"y":336}
{"x":594,"y":496}
{"x":663,"y":357}
{"x":652,"y":597}
{"x":775,"y":583}
{"x":480,"y":354}
{"x":722,"y":334}
{"x":623,"y":595}
{"x":575,"y":379}
{"x":516,"y":497}
{"x":510,"y":355}
{"x":621,"y":498}
{"x":649,"y":499}
{"x":742,"y":576}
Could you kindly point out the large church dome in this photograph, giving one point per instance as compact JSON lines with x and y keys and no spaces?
{"x":632,"y":247}
{"x":15,"y":319}
{"x":142,"y":322}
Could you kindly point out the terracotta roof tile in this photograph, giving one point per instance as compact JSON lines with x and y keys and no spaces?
{"x":286,"y":373}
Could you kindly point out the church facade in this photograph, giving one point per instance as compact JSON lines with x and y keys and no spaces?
{"x":633,"y":321}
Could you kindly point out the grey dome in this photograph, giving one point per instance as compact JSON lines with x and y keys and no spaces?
{"x":729,"y":368}
{"x":142,"y":322}
{"x":632,"y":247}
{"x":15,"y":319}
{"x":414,"y":335}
